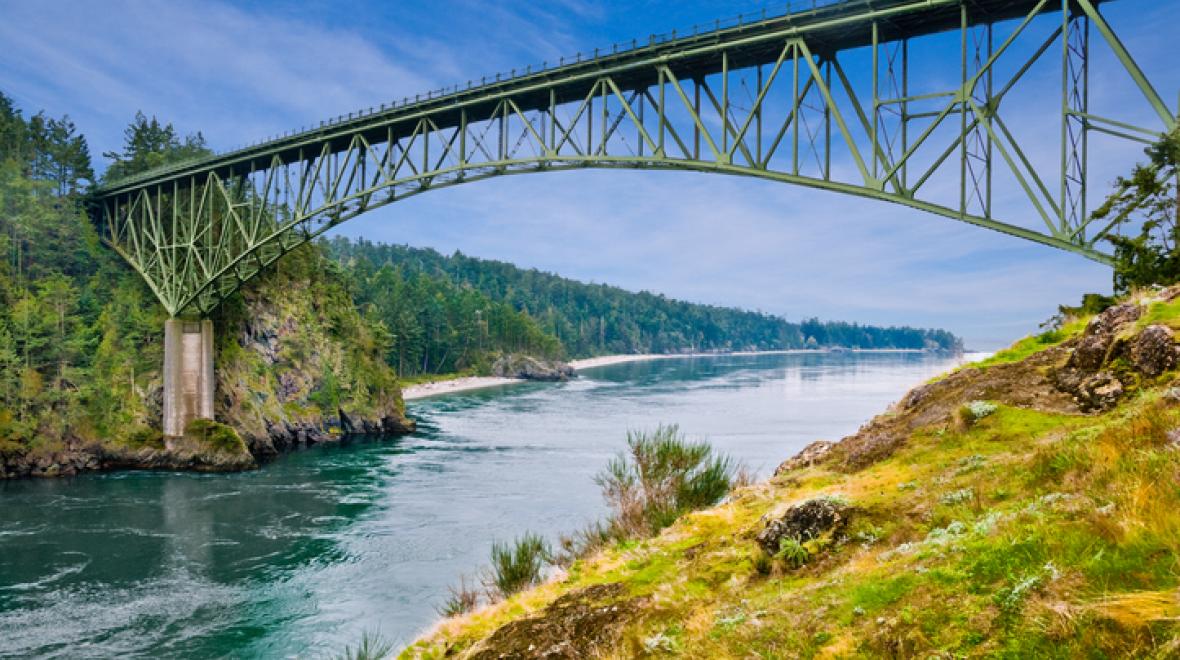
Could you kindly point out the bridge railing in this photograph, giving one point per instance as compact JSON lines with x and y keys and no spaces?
{"x":780,"y":10}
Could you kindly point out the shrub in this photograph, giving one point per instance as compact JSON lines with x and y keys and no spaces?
{"x":146,"y":437}
{"x":661,"y":476}
{"x":372,"y":647}
{"x":219,"y":436}
{"x":980,"y":409}
{"x":792,"y":551}
{"x":462,"y":599}
{"x":517,"y":566}
{"x":970,"y":413}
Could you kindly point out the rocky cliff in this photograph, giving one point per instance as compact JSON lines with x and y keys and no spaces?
{"x":296,"y":365}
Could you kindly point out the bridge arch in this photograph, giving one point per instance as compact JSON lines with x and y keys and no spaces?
{"x":770,"y":99}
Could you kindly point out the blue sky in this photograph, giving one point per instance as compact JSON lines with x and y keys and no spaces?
{"x":241,"y":71}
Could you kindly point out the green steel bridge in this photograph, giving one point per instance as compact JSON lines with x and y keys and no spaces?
{"x":838,"y":96}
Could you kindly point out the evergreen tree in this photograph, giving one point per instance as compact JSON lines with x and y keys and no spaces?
{"x":1149,"y":198}
{"x":148,"y":144}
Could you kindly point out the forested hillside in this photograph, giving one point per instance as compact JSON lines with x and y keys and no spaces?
{"x":81,"y":335}
{"x":407,"y":287}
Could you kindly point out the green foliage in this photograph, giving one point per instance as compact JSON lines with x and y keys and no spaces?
{"x":584,"y":319}
{"x":1092,"y":303}
{"x":148,"y":144}
{"x":146,"y":437}
{"x":372,"y":647}
{"x":1034,"y":344}
{"x":1149,"y":199}
{"x":517,"y":565}
{"x":792,"y":551}
{"x":661,"y":476}
{"x":45,"y":149}
{"x":461,"y":599}
{"x":219,"y":436}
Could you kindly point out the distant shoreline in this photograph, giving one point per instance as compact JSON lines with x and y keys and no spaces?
{"x":469,"y":383}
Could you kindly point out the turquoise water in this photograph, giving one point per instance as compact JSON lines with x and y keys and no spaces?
{"x":321,"y":545}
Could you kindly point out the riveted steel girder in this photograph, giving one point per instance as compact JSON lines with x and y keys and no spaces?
{"x":783,"y":99}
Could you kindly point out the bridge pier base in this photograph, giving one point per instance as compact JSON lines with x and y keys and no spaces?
{"x":188,"y":375}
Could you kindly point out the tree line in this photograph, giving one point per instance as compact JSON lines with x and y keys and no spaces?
{"x":591,"y":319}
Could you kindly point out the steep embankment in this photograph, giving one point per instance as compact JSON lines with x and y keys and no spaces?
{"x":1023,"y":507}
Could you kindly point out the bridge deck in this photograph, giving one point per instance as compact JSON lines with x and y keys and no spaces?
{"x":828,"y":29}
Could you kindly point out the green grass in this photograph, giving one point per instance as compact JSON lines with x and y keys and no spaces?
{"x":1163,"y":312}
{"x":1034,"y":344}
{"x":1024,"y":534}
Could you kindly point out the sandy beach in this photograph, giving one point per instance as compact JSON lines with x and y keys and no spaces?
{"x":423,"y":390}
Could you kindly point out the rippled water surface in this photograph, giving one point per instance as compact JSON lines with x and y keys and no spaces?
{"x":301,"y":557}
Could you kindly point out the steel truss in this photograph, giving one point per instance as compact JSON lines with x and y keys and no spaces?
{"x":771,"y":99}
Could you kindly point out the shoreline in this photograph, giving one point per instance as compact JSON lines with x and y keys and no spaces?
{"x":470,"y":383}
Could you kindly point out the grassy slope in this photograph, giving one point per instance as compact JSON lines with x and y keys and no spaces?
{"x":1030,"y":533}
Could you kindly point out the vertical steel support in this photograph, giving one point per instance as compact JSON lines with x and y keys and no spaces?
{"x":828,"y":118}
{"x":725,"y":102}
{"x":964,"y":93}
{"x":796,"y":112}
{"x":1074,"y":118}
{"x":696,"y":129}
{"x":905,"y":110}
{"x":876,"y":99}
{"x":758,"y":118}
{"x":662,"y":115}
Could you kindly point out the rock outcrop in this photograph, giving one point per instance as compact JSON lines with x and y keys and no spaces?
{"x":1113,"y":356}
{"x":531,"y":368}
{"x":811,"y":454}
{"x":577,"y":625}
{"x":804,"y":522}
{"x":96,"y":456}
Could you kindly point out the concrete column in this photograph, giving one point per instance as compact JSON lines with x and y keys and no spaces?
{"x":188,"y":374}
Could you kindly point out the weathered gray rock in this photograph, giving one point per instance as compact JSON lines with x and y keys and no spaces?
{"x":810,"y":455}
{"x":1100,"y":391}
{"x":1094,"y":345}
{"x":531,"y":368}
{"x":805,"y":521}
{"x":1154,"y":351}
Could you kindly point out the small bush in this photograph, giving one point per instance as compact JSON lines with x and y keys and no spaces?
{"x":958,"y":496}
{"x":661,"y":476}
{"x":219,"y":436}
{"x":462,"y":599}
{"x":372,"y":647}
{"x":968,"y":414}
{"x":146,"y":437}
{"x":517,"y":566}
{"x":792,"y":551}
{"x":8,"y":448}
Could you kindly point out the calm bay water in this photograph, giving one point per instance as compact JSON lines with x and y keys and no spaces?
{"x":303,"y":556}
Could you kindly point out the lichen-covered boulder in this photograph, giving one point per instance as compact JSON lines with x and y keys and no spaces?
{"x":1154,"y":351}
{"x":1099,"y":391}
{"x":1094,"y":344}
{"x":804,"y":522}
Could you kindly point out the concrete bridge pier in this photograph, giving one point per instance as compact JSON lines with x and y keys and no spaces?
{"x":188,"y":375}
